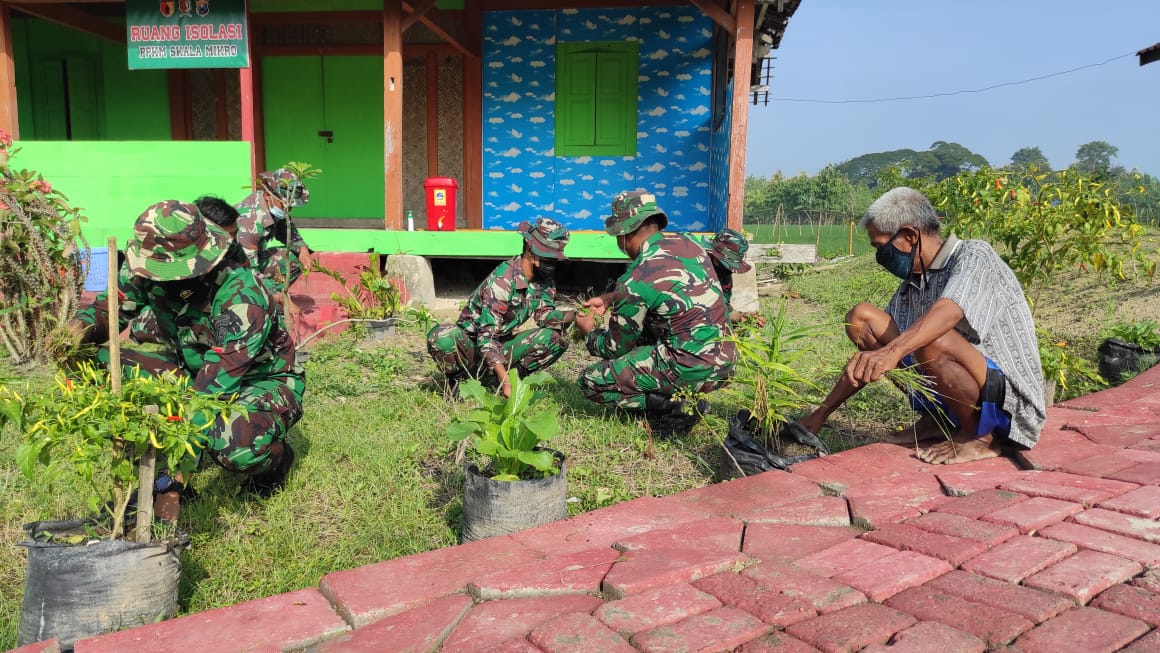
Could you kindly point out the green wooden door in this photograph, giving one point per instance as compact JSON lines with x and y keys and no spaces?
{"x":305,"y":96}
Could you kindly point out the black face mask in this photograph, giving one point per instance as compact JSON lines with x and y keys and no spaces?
{"x":545,"y":271}
{"x":186,"y":291}
{"x":896,"y":262}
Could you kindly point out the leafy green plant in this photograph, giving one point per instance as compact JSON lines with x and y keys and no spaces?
{"x":1072,"y":374}
{"x":419,"y":317}
{"x":1142,"y":333}
{"x":81,"y":425}
{"x":510,"y":430}
{"x":371,"y":297}
{"x":41,"y":271}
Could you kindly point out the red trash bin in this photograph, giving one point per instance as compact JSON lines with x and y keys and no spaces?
{"x":440,"y":193}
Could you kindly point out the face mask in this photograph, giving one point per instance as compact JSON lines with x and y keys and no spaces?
{"x":277,"y":212}
{"x":545,"y":271}
{"x":186,"y":291}
{"x":622,"y":244}
{"x":897,"y":263}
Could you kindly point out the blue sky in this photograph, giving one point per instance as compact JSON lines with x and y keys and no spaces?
{"x":854,"y":49}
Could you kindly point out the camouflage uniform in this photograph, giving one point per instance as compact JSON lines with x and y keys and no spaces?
{"x":667,"y":319}
{"x":226,"y":333}
{"x":727,"y":251}
{"x":484,"y":335}
{"x":259,"y":227}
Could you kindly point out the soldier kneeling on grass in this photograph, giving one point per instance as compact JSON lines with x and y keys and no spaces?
{"x":483,"y":341}
{"x":667,"y":324}
{"x":218,"y":324}
{"x":960,"y":317}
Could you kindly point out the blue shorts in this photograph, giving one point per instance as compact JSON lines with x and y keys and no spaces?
{"x":992,"y":418}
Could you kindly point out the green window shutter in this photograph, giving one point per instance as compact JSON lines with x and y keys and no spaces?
{"x":83,"y":109}
{"x":579,"y":99}
{"x":596,"y":86}
{"x":50,"y":112}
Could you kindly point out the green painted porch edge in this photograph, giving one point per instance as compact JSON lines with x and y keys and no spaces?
{"x":589,"y":245}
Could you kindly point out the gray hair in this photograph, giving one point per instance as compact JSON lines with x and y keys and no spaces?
{"x":899,"y":207}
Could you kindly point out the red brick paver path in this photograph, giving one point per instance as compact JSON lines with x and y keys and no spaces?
{"x":868,"y":549}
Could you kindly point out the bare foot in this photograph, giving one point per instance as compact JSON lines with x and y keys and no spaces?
{"x":925,"y":429}
{"x":963,"y":449}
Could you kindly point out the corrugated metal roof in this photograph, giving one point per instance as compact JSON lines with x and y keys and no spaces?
{"x":1149,"y":54}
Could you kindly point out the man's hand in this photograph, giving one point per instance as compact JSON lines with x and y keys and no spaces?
{"x":304,"y":259}
{"x":505,"y":385}
{"x":867,"y":367}
{"x":585,"y":321}
{"x":599,"y":304}
{"x":755,"y":318}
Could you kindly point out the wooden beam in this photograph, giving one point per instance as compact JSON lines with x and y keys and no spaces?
{"x":432,"y":115}
{"x":471,"y":191}
{"x":742,"y":64}
{"x":502,"y":5}
{"x":715,"y":12}
{"x":316,"y":17}
{"x":9,"y":119}
{"x":75,"y":19}
{"x":442,"y":33}
{"x":417,"y":13}
{"x":246,"y":101}
{"x":259,"y":118}
{"x":393,"y":113}
{"x":410,"y":50}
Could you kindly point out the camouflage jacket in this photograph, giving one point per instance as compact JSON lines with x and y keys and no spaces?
{"x":230,"y":340}
{"x":504,"y":301}
{"x":258,"y":228}
{"x":668,"y":296}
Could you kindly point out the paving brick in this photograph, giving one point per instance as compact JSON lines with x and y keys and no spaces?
{"x":1084,"y":629}
{"x":491,"y":623}
{"x":852,"y":629}
{"x":994,"y":626}
{"x":717,"y":630}
{"x":574,"y":573}
{"x":1084,"y":575}
{"x":1104,"y":398}
{"x":281,"y":622}
{"x":1019,"y":557}
{"x":818,"y":511}
{"x":578,"y":633}
{"x":955,"y":550}
{"x":841,"y":471}
{"x":958,"y":483}
{"x":1120,"y":435}
{"x":655,"y":607}
{"x":49,"y":646}
{"x":1150,"y":445}
{"x":1149,"y":643}
{"x":823,"y":594}
{"x":844,"y":556}
{"x":1057,"y":448}
{"x":1117,"y":522}
{"x":1141,"y":502}
{"x":953,"y":525}
{"x":890,"y":575}
{"x":750,"y":595}
{"x":1130,"y":601}
{"x":1033,"y":604}
{"x":982,"y":502}
{"x":599,"y":529}
{"x":1086,"y":537}
{"x":1033,"y":514}
{"x":418,"y":629}
{"x":743,"y":495}
{"x":1143,"y":473}
{"x":718,"y":533}
{"x":515,"y":646}
{"x":1099,"y":466}
{"x":645,"y":569}
{"x":1079,"y":495}
{"x":1080,"y":481}
{"x":930,"y":636}
{"x":775,"y":643}
{"x":894,"y":498}
{"x":358,"y":593}
{"x":785,"y":543}
{"x":1114,"y":414}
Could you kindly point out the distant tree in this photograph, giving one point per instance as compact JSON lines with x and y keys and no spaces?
{"x":1095,"y":158}
{"x":863,"y":170}
{"x":1028,"y":156}
{"x":943,"y":159}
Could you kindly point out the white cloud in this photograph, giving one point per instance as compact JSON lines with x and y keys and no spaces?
{"x":607,"y":162}
{"x":661,"y":148}
{"x":697,"y":167}
{"x":626,"y":20}
{"x":656,"y":167}
{"x":657,"y":55}
{"x":684,"y":77}
{"x":586,"y":195}
{"x":536,"y":175}
{"x":586,"y":177}
{"x":495,"y":64}
{"x":511,"y":41}
{"x":515,"y":133}
{"x":657,"y":112}
{"x":516,"y":188}
{"x":535,"y":120}
{"x":700,"y":53}
{"x":583,"y":213}
{"x":516,"y":78}
{"x":516,"y":116}
{"x":510,"y":152}
{"x":680,"y":191}
{"x":510,"y":97}
{"x":662,"y":92}
{"x":495,"y":175}
{"x":681,"y":133}
{"x":513,"y":206}
{"x":684,"y":19}
{"x":583,"y":160}
{"x":567,"y":182}
{"x":697,"y":226}
{"x":537,"y":64}
{"x":699,"y":111}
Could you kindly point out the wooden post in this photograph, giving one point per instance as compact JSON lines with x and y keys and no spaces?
{"x":9,"y":120}
{"x":246,"y":84}
{"x":742,"y":62}
{"x":114,"y":318}
{"x":851,"y":238}
{"x":471,"y":191}
{"x":145,"y":476}
{"x":432,"y":114}
{"x":393,"y":113}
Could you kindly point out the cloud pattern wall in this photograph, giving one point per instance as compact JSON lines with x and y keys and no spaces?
{"x":522,"y":177}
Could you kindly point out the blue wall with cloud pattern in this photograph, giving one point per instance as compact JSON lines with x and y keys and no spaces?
{"x":522,"y":177}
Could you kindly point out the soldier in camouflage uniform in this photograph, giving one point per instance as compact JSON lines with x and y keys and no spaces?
{"x":727,"y":251}
{"x":218,"y":324}
{"x":667,"y":321}
{"x":483,"y":340}
{"x":263,"y":221}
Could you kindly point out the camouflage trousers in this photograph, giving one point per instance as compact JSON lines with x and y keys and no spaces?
{"x":647,"y":370}
{"x":241,"y":442}
{"x":277,"y":265}
{"x":457,"y":354}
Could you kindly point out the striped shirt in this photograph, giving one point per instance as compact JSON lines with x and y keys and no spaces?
{"x":996,"y":320}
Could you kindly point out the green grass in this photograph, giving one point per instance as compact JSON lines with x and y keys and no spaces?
{"x":832,"y":240}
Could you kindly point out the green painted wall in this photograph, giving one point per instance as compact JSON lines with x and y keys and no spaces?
{"x":129,"y":105}
{"x":114,"y":182}
{"x":279,"y":6}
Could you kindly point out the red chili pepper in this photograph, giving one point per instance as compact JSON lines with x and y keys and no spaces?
{"x":998,"y":185}
{"x":217,"y":350}
{"x":68,"y":384}
{"x":174,"y":418}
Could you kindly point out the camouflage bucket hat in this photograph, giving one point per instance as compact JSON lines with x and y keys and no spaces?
{"x":171,"y":241}
{"x":286,"y":186}
{"x":729,"y":248}
{"x":629,"y":211}
{"x":546,"y":238}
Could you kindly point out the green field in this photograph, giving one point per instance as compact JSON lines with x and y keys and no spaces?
{"x":832,"y":240}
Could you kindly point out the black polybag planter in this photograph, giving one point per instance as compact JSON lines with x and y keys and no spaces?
{"x":1120,"y":360}
{"x":493,"y":507}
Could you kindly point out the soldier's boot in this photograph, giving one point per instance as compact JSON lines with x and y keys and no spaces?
{"x":267,"y":483}
{"x":669,"y":418}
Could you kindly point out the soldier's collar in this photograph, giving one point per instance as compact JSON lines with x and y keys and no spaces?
{"x":519,"y":279}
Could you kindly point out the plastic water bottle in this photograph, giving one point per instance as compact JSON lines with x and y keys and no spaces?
{"x":410,"y":221}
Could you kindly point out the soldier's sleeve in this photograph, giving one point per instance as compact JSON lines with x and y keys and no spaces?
{"x":625,"y":322}
{"x":296,"y":241}
{"x":495,"y":300}
{"x":241,"y":323}
{"x":546,"y":314}
{"x":249,"y":231}
{"x":132,"y":300}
